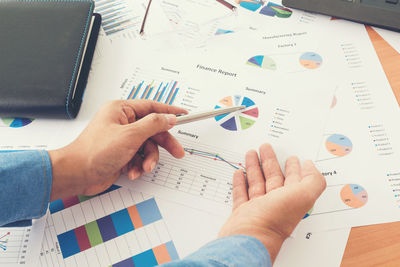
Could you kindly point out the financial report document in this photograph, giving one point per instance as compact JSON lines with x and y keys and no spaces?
{"x":271,"y":78}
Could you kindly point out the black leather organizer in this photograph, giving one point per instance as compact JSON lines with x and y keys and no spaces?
{"x":46,"y":50}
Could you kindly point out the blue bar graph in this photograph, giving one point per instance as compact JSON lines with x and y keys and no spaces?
{"x":164,"y":92}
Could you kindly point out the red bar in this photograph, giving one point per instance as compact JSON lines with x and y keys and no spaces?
{"x":82,"y":237}
{"x":70,"y":201}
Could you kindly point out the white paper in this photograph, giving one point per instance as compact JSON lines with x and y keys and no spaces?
{"x":314,"y":249}
{"x":197,"y":21}
{"x":360,"y":150}
{"x":20,"y":246}
{"x":111,"y":232}
{"x":283,"y":108}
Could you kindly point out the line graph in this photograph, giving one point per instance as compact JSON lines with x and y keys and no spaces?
{"x":204,"y":154}
{"x":4,"y":241}
{"x":202,"y":175}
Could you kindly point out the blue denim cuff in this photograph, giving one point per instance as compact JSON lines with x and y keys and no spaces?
{"x":236,"y":250}
{"x":26,"y":180}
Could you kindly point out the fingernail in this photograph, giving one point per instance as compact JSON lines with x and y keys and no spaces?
{"x":152,"y":166}
{"x":171,"y":119}
{"x":133,"y":174}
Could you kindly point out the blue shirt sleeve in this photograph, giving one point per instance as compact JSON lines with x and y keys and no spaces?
{"x":236,"y":250}
{"x":25,"y":183}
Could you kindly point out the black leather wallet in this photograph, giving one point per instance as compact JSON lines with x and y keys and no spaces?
{"x":46,"y":50}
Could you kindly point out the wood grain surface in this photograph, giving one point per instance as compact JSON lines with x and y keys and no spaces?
{"x":378,"y":245}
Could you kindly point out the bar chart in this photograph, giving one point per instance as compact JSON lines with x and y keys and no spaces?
{"x":165,"y":92}
{"x":65,"y":203}
{"x":116,"y":15}
{"x":118,"y":227}
{"x":161,"y":86}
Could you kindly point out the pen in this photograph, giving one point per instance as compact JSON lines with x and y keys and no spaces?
{"x":207,"y":114}
{"x":144,"y":19}
{"x":228,"y":5}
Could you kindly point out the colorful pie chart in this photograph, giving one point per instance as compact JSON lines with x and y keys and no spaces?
{"x":240,"y":120}
{"x":273,"y":10}
{"x":251,"y":5}
{"x":310,"y":60}
{"x":354,"y":195}
{"x":261,"y":61}
{"x":16,"y":122}
{"x":338,"y":145}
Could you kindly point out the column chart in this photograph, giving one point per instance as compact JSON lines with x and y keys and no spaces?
{"x":115,"y":228}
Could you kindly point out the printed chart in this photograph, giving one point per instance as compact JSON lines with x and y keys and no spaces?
{"x":261,"y":61}
{"x":115,"y":228}
{"x":273,"y":10}
{"x":213,"y":156}
{"x":287,"y":62}
{"x":338,"y":145}
{"x":239,"y":120}
{"x":310,"y":60}
{"x":19,"y":243}
{"x":4,"y":240}
{"x":11,"y":245}
{"x":252,"y":5}
{"x":116,"y":16}
{"x":161,"y":86}
{"x":205,"y":174}
{"x":354,"y":195}
{"x":164,"y":92}
{"x":15,"y":122}
{"x":222,"y":31}
{"x":339,"y":198}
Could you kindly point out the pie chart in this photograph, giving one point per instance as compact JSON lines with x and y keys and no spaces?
{"x":354,"y":195}
{"x":273,"y":10}
{"x":240,"y":120}
{"x":251,"y":5}
{"x":310,"y":60}
{"x":16,"y":122}
{"x":260,"y":61}
{"x":338,"y":145}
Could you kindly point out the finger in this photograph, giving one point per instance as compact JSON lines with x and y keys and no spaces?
{"x":239,"y":189}
{"x":151,"y":156}
{"x":255,"y":177}
{"x":292,"y":171}
{"x":145,"y":107}
{"x":272,"y":171}
{"x":150,"y":125}
{"x":313,"y":180}
{"x":135,"y":168}
{"x":169,"y":143}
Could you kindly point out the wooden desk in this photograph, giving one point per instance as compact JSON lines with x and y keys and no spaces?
{"x":377,"y":245}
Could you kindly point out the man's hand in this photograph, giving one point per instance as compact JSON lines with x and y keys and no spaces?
{"x":123,"y":136}
{"x":270,"y":205}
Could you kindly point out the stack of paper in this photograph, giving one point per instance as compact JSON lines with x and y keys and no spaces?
{"x":312,"y":87}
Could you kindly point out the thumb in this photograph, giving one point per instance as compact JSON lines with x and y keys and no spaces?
{"x":152,"y":124}
{"x":312,"y":179}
